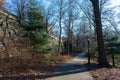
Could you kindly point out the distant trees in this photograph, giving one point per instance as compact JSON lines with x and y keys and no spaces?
{"x":65,"y":15}
{"x":69,"y":20}
{"x":18,"y":8}
{"x":109,"y":18}
{"x":59,"y":11}
{"x":48,"y":14}
{"x":76,"y":19}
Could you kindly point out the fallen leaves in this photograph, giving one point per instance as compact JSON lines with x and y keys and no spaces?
{"x":106,"y":74}
{"x":30,"y":65}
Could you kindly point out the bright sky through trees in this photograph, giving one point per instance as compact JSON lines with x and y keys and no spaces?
{"x":114,"y":4}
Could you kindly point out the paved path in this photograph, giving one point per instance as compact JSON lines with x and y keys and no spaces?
{"x":72,"y":70}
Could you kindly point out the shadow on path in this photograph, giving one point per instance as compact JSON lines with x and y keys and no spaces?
{"x":71,"y":67}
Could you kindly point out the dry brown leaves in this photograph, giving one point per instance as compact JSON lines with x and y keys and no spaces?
{"x":30,"y":65}
{"x":106,"y":74}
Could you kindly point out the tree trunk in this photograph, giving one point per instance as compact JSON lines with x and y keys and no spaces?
{"x":46,"y":25}
{"x":113,"y":59}
{"x":60,"y":26}
{"x":59,"y":46}
{"x":101,"y":48}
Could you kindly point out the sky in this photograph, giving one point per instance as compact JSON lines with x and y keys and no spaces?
{"x":113,"y":4}
{"x":46,"y":3}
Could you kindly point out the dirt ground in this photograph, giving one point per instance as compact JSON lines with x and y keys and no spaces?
{"x":106,"y":74}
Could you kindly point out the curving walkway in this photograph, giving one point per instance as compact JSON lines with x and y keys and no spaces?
{"x":72,"y":70}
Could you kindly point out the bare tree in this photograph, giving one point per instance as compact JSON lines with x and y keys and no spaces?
{"x":19,"y":8}
{"x":86,"y":29}
{"x":69,"y":21}
{"x":48,"y":14}
{"x":108,"y":16}
{"x":59,"y":10}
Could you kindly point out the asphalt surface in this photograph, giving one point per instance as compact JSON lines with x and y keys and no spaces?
{"x":72,"y":70}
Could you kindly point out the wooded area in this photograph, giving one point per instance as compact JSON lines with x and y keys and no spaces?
{"x":36,"y":36}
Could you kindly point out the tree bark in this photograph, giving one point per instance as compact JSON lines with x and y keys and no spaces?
{"x":46,"y":25}
{"x":60,"y":26}
{"x":101,"y":48}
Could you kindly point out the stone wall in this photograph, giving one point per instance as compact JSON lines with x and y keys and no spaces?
{"x":8,"y":29}
{"x":2,"y":4}
{"x":9,"y":32}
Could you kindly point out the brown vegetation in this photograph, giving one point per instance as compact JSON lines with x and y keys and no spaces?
{"x":27,"y":64}
{"x":106,"y":74}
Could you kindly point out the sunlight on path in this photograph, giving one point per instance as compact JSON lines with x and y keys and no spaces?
{"x":72,"y":70}
{"x":77,"y":76}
